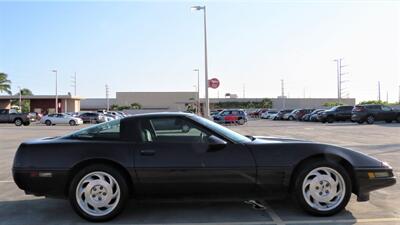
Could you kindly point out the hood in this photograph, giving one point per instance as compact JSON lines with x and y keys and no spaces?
{"x":271,"y":139}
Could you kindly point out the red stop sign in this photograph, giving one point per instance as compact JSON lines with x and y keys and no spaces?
{"x":213,"y":83}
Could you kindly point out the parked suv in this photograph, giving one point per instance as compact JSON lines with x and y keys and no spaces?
{"x":231,"y":116}
{"x":372,"y":113}
{"x":337,"y":113}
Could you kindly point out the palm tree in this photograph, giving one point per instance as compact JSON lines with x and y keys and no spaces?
{"x":5,"y":85}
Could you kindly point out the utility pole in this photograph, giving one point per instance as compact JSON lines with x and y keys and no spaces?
{"x":399,"y":94}
{"x":339,"y":74}
{"x":244,"y":90}
{"x":73,"y":81}
{"x":379,"y":90}
{"x":387,"y":97}
{"x":107,"y":99}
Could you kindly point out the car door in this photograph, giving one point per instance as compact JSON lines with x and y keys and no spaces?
{"x":4,"y":116}
{"x":387,"y":113}
{"x":173,"y":158}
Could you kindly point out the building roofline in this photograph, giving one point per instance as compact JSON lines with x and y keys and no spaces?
{"x":16,"y":97}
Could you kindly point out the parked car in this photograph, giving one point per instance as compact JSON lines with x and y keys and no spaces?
{"x":92,"y":117}
{"x":371,"y":113}
{"x":268,"y":114}
{"x":12,"y":116}
{"x":288,"y":115}
{"x":337,"y":113}
{"x":60,"y":118}
{"x":34,"y":116}
{"x":298,"y":115}
{"x":281,"y":113}
{"x":237,"y":116}
{"x":183,"y":155}
{"x":313,"y":116}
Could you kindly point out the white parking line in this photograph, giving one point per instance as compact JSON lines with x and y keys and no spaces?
{"x":6,"y":181}
{"x":374,"y":220}
{"x":274,"y":216}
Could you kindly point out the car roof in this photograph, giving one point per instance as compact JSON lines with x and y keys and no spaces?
{"x":156,"y":114}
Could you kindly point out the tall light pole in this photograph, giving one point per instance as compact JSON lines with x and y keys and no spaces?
{"x":198,"y":90}
{"x":20,"y":98}
{"x":207,"y":102}
{"x":55,"y":71}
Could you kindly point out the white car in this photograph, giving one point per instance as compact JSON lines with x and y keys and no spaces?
{"x":60,"y":118}
{"x":268,"y":114}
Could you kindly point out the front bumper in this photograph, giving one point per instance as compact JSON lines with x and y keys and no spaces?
{"x":370,"y":179}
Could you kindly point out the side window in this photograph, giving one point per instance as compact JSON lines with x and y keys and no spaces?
{"x":106,"y":131}
{"x":225,"y":113}
{"x":385,"y":108}
{"x":3,"y":111}
{"x":171,"y":130}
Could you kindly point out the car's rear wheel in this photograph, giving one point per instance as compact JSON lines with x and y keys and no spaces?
{"x":331,"y":119}
{"x":322,"y":188}
{"x":72,"y":123}
{"x":241,"y":121}
{"x":370,"y":119}
{"x":48,"y":122}
{"x":98,"y":193}
{"x":360,"y":122}
{"x":18,"y":122}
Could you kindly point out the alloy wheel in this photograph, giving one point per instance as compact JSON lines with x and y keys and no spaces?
{"x":324,"y":189}
{"x":98,"y":193}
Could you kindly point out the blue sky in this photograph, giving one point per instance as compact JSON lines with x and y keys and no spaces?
{"x":154,"y":46}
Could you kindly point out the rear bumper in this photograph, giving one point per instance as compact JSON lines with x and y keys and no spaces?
{"x":41,"y":182}
{"x":370,"y":179}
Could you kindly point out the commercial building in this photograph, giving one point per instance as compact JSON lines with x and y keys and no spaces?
{"x":179,"y":101}
{"x":45,"y":103}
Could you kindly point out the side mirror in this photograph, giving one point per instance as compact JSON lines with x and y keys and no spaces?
{"x":215,"y":143}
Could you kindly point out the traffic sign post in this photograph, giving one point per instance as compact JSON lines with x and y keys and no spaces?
{"x":213,"y":83}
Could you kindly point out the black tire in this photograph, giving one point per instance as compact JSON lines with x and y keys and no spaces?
{"x":241,"y":121}
{"x":72,"y":123}
{"x":116,"y":174}
{"x":18,"y":122}
{"x":331,"y":119}
{"x":26,"y":123}
{"x":398,"y":119}
{"x":388,"y":121}
{"x":301,"y":175}
{"x":360,"y":122}
{"x":291,"y":118}
{"x":370,"y":119}
{"x":47,"y":122}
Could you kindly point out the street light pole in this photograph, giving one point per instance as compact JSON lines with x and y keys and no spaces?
{"x":207,"y":102}
{"x":20,"y":98}
{"x":198,"y":90}
{"x":55,"y":71}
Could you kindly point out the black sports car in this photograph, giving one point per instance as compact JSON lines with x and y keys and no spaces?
{"x":182,"y":155}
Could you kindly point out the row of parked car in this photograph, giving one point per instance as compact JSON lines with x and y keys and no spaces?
{"x":76,"y":118}
{"x":360,"y":113}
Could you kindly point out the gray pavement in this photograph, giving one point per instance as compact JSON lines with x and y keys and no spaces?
{"x":379,"y":140}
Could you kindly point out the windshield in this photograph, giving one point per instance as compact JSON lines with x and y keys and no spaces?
{"x":221,"y":130}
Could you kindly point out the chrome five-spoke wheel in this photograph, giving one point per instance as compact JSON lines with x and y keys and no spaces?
{"x":323,"y":188}
{"x":98,"y":193}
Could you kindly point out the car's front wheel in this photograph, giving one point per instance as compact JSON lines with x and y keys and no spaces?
{"x":370,"y":119}
{"x":322,"y":188}
{"x":72,"y":123}
{"x":98,"y":193}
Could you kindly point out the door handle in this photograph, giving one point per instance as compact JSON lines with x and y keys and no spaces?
{"x":147,"y":152}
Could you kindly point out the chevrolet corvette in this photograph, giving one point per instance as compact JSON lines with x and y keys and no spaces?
{"x":180,"y":155}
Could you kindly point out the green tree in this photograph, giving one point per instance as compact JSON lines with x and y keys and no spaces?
{"x":136,"y":105}
{"x":25,"y":103}
{"x":5,"y":84}
{"x":373,"y":102}
{"x":266,"y":103}
{"x":331,"y":104}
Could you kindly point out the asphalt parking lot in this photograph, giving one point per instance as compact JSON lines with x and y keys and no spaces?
{"x":380,"y":140}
